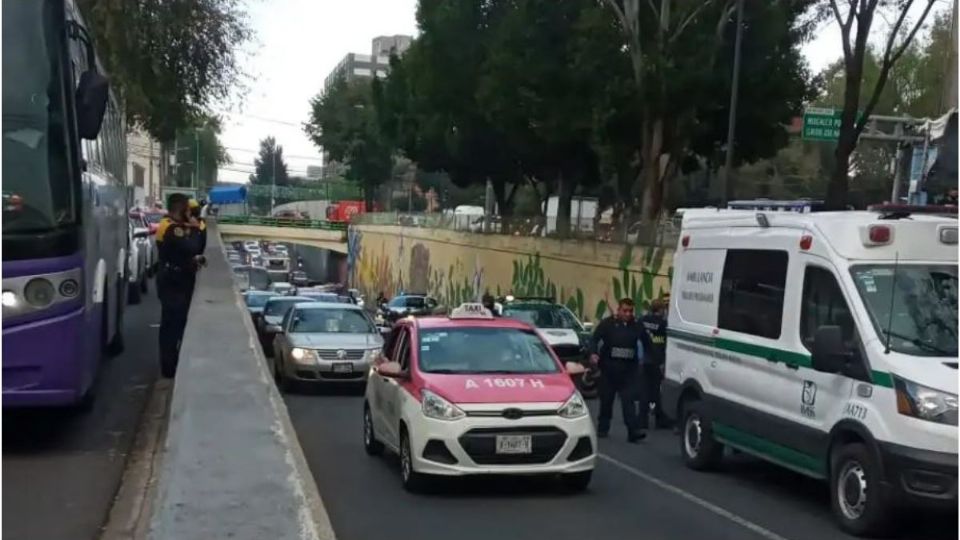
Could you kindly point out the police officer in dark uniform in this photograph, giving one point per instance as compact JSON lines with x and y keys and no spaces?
{"x":179,"y":244}
{"x":655,"y":322}
{"x":618,"y":345}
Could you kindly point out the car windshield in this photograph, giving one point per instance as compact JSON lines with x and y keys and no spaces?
{"x":323,"y":297}
{"x":543,"y":316}
{"x":914,"y":306}
{"x":277,"y":307}
{"x":408,"y":301}
{"x":484,"y":350}
{"x":257,"y":300}
{"x":38,"y":194}
{"x":339,"y":321}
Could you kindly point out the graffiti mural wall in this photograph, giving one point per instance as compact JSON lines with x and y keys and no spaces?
{"x":457,"y":267}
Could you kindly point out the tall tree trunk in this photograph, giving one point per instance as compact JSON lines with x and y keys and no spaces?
{"x":564,"y":196}
{"x":650,"y":176}
{"x":839,"y":186}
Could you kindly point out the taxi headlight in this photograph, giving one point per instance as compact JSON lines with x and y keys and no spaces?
{"x":574,"y":407}
{"x":925,"y":403}
{"x":438,"y":408}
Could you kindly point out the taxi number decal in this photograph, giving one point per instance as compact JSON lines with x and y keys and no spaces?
{"x":504,"y":383}
{"x":855,"y":411}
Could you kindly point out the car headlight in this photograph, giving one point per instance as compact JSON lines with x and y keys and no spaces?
{"x":438,"y":408}
{"x":925,"y":403}
{"x":371,"y":354}
{"x":303,"y":356}
{"x":575,"y":407}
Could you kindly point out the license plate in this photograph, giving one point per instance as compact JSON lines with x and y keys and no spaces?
{"x":343,"y":367}
{"x":514,"y":444}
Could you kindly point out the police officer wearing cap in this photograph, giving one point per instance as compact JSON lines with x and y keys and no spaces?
{"x":180,"y":244}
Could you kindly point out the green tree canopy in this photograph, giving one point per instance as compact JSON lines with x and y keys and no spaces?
{"x":269,"y":165}
{"x":171,"y":60}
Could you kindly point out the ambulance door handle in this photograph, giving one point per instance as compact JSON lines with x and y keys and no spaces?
{"x":794,"y":367}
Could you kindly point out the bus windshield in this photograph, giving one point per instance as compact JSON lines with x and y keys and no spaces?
{"x":37,"y":192}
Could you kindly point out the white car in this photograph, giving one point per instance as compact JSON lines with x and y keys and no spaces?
{"x":138,"y":263}
{"x":473,"y":394}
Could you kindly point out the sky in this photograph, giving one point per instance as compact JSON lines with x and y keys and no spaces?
{"x":298,"y":42}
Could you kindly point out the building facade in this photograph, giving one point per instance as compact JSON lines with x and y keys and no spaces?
{"x":144,"y":158}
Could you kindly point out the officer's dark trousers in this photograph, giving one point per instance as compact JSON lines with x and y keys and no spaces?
{"x":618,"y":378}
{"x":651,"y":377}
{"x":175,"y":289}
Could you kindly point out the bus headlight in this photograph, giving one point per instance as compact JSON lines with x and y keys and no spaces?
{"x":39,"y":292}
{"x":925,"y":403}
{"x":10,"y":299}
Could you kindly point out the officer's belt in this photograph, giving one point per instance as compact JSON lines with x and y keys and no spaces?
{"x":175,"y":268}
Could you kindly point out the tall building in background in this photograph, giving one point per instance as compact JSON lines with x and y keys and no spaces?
{"x":144,"y":158}
{"x":356,"y":66}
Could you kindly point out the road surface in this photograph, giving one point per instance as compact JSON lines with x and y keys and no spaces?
{"x":637,"y":491}
{"x":61,"y":471}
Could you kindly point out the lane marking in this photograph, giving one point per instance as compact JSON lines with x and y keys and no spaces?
{"x":722,"y":512}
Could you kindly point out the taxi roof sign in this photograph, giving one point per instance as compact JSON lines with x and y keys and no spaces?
{"x":471,"y":311}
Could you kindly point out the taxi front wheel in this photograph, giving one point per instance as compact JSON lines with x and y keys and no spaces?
{"x":413,"y":481}
{"x":371,"y":445}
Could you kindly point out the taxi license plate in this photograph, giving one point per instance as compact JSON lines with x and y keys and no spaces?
{"x":343,"y":367}
{"x":514,"y":444}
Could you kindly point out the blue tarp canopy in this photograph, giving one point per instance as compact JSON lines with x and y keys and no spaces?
{"x":227,"y":194}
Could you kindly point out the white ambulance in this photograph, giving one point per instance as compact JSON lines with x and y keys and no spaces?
{"x":822,"y":342}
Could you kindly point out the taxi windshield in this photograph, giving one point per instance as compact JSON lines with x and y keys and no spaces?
{"x":542,"y":316}
{"x":915,"y":306}
{"x":484,"y":350}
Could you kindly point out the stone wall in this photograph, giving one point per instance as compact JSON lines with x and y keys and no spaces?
{"x":455,"y":267}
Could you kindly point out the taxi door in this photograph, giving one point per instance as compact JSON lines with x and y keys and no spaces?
{"x":389,"y":390}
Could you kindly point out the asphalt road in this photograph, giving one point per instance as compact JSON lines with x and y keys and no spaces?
{"x":637,"y":491}
{"x":61,"y":471}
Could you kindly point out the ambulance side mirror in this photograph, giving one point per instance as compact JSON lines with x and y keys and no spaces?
{"x":574,"y":368}
{"x":828,"y":350}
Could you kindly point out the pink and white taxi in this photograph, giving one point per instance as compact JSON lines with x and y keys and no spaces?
{"x":474,"y":394}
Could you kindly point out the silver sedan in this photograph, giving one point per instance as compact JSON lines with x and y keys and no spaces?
{"x":325,"y":342}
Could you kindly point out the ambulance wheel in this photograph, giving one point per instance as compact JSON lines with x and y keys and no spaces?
{"x":372,"y":446}
{"x":855,"y":493}
{"x":577,"y":482}
{"x":413,"y":481}
{"x":700,"y":451}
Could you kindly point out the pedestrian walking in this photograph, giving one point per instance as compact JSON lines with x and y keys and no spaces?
{"x":179,"y":244}
{"x":616,"y":346}
{"x":655,"y":323}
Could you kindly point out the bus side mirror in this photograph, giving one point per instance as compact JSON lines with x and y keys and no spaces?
{"x":93,"y":91}
{"x":828,"y":351}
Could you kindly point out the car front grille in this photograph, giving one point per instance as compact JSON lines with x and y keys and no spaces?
{"x":481,"y":445}
{"x":330,"y":355}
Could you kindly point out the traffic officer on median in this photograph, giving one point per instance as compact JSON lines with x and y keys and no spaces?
{"x":198,"y":221}
{"x":179,"y":244}
{"x":617,"y":346}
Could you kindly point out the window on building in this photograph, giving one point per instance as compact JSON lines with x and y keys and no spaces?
{"x":362,"y":72}
{"x":751,"y":292}
{"x":138,"y":175}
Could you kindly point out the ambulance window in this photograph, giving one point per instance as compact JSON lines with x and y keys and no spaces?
{"x":823,"y":305}
{"x":751,"y":292}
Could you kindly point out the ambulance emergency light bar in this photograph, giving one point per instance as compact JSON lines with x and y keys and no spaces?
{"x":802,"y":206}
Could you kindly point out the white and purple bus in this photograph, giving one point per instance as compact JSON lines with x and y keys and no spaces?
{"x":64,"y":208}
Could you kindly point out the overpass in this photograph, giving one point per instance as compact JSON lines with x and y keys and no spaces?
{"x":317,"y":233}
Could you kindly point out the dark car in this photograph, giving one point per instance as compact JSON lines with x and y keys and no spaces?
{"x":268,"y":324}
{"x":408,"y":304}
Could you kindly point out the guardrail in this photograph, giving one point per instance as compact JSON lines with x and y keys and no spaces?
{"x":283,"y":222}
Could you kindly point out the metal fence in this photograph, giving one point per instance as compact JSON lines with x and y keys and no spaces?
{"x":283,"y":222}
{"x":665,"y":233}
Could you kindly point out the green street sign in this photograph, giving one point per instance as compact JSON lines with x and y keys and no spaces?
{"x":821,"y":124}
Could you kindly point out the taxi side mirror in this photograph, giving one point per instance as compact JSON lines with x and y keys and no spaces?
{"x":574,"y":368}
{"x":588,"y":326}
{"x":391,"y":370}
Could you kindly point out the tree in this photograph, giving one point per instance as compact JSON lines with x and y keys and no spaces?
{"x":269,"y":166}
{"x":855,"y":29}
{"x":200,"y":141}
{"x":344,"y":123}
{"x":171,"y":60}
{"x":679,"y":55}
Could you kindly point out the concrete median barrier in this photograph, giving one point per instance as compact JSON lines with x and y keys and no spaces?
{"x":232,"y":466}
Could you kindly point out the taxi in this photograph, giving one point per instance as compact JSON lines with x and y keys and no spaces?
{"x":471,"y":394}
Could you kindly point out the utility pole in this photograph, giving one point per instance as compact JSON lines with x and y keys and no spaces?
{"x":196,"y":138}
{"x":732,"y":122}
{"x":273,"y":179}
